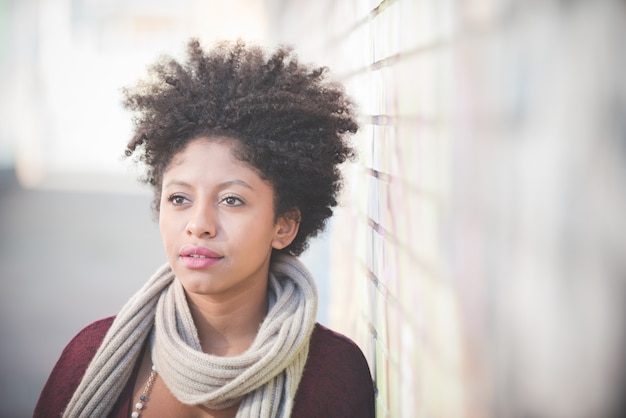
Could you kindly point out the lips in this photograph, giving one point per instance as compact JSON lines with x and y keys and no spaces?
{"x":199,"y":252}
{"x":194,"y":257}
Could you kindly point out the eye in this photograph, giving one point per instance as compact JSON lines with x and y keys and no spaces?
{"x":231,"y":200}
{"x":177,"y":200}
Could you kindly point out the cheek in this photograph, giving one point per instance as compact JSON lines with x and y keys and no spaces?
{"x":162,"y":223}
{"x":166,"y":228}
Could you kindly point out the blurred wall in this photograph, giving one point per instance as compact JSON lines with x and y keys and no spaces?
{"x":479,"y":252}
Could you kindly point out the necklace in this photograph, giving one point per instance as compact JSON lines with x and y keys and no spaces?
{"x":143,"y":398}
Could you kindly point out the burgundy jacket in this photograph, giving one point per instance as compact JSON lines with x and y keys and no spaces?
{"x":336,"y":380}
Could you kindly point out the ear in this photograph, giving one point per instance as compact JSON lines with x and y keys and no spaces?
{"x":287,"y":227}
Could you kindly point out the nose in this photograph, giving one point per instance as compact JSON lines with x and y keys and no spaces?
{"x":202,"y":223}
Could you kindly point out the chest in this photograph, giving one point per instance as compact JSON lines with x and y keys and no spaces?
{"x":158,"y":401}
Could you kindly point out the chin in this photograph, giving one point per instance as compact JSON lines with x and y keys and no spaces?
{"x":197,"y":284}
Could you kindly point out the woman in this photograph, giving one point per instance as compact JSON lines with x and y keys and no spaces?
{"x":241,"y":150}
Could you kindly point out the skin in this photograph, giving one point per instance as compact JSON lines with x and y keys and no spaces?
{"x":213,"y":202}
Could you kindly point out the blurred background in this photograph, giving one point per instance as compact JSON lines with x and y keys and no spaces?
{"x":479,"y":253}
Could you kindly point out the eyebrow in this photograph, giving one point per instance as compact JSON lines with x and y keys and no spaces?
{"x":235,"y":182}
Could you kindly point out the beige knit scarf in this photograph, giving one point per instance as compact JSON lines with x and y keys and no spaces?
{"x":264,"y":378}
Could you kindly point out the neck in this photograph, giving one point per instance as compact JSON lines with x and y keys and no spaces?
{"x":228,"y":326}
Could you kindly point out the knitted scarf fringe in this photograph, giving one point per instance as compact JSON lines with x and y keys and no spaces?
{"x":264,"y":378}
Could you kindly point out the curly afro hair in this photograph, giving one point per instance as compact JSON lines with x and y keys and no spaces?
{"x":289,"y":122}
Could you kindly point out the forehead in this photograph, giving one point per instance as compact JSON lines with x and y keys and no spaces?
{"x":212,"y":159}
{"x":210,"y":145}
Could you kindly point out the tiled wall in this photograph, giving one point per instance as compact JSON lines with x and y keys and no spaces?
{"x":477,"y":258}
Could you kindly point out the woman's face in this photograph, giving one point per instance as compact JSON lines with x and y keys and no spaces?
{"x":217,"y":220}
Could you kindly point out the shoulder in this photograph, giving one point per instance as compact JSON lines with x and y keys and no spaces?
{"x":84,"y":345}
{"x":337,"y":351}
{"x":325,"y":341}
{"x":70,"y":368}
{"x":92,"y":335}
{"x":336,"y":380}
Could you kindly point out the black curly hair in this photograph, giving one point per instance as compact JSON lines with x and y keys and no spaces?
{"x":289,"y":122}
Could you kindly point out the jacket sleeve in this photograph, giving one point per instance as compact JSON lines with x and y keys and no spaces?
{"x":69,"y":370}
